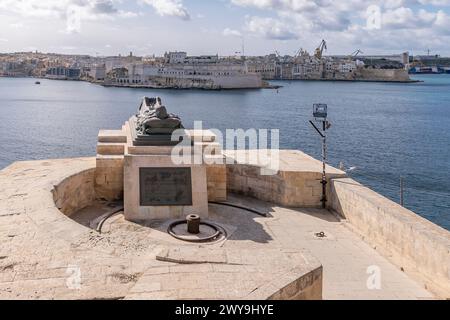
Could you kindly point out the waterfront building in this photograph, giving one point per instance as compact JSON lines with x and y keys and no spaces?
{"x":63,"y":73}
{"x":179,"y":70}
{"x":182,"y":71}
{"x":97,"y":72}
{"x":266,"y":68}
{"x":402,"y":58}
{"x":175,"y":57}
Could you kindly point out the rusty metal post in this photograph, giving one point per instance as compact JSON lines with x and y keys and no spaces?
{"x":193,"y":223}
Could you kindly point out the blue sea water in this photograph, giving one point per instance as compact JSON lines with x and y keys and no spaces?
{"x":385,"y":130}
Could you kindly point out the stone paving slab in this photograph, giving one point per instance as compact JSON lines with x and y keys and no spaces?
{"x":215,"y":274}
{"x":344,"y":256}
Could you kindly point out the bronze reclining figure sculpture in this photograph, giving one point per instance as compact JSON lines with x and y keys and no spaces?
{"x":153,"y":118}
{"x":154,"y":126}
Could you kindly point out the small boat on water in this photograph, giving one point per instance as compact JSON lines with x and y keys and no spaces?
{"x":37,"y":82}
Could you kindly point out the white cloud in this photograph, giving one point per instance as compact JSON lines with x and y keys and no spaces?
{"x":89,"y":9}
{"x":295,"y":5}
{"x":435,"y":2}
{"x":270,"y":28}
{"x":404,"y":23}
{"x":406,"y":18}
{"x":173,"y":8}
{"x":16,"y":25}
{"x":231,"y":32}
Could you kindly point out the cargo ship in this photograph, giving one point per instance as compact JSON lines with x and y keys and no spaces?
{"x":429,"y":70}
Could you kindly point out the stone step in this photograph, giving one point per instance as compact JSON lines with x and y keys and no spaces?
{"x":110,"y":148}
{"x":112,"y":136}
{"x":215,"y":159}
{"x":108,"y":161}
{"x":212,"y":148}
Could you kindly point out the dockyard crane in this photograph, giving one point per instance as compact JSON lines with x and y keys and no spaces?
{"x":319,"y":51}
{"x":279,"y":57}
{"x":300,"y":53}
{"x":356,"y":53}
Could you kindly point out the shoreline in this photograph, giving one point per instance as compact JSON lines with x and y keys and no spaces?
{"x":270,"y":87}
{"x":179,"y":88}
{"x":345,"y":80}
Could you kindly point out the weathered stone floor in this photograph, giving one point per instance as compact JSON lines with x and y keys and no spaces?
{"x":344,"y":256}
{"x":38,"y":244}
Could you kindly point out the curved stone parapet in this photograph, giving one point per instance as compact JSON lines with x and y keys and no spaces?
{"x":413,"y":243}
{"x":75,"y":192}
{"x":296,"y":181}
{"x":42,"y":190}
{"x":46,"y":252}
{"x":50,"y":256}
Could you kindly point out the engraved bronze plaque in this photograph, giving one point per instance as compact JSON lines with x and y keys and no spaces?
{"x":165,"y":187}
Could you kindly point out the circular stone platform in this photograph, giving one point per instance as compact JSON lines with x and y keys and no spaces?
{"x":50,"y":249}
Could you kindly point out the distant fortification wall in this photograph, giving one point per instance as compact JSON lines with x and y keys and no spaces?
{"x":245,"y":81}
{"x":414,"y":244}
{"x":394,"y":75}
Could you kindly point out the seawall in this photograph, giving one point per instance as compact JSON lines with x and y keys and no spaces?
{"x":414,"y":244}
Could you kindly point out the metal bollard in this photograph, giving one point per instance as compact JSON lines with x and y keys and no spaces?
{"x":193,"y":223}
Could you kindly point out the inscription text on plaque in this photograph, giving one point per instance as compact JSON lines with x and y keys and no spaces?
{"x":165,"y":187}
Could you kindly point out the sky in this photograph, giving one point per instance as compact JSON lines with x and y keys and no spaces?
{"x":225,"y":27}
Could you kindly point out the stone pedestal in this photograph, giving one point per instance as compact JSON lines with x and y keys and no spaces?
{"x":113,"y":145}
{"x":156,"y":188}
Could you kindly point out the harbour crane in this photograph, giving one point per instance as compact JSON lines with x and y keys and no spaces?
{"x":319,"y":51}
{"x":300,"y":53}
{"x":356,"y":53}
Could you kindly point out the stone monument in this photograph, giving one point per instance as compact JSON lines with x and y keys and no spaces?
{"x":155,"y":187}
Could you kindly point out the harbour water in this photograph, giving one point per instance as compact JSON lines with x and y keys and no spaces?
{"x":383,"y":130}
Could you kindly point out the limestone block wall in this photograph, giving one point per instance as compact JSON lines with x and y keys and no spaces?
{"x":216,"y":176}
{"x":290,"y":189}
{"x":308,"y":287}
{"x":75,"y":192}
{"x":247,"y":180}
{"x":399,"y":75}
{"x":110,"y":159}
{"x":296,"y":184}
{"x":418,"y":246}
{"x":109,"y":177}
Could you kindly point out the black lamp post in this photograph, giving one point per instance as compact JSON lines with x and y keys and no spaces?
{"x":320,"y":113}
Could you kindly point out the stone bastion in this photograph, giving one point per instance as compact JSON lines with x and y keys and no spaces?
{"x":67,"y":233}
